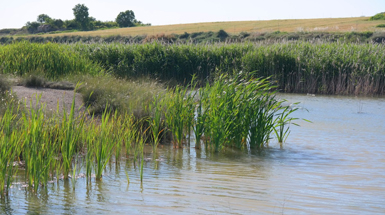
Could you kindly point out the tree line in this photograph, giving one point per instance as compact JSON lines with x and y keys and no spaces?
{"x":82,"y":22}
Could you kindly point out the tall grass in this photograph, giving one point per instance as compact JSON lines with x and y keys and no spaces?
{"x":9,"y":149}
{"x":51,"y":59}
{"x":38,"y":148}
{"x":176,"y":116}
{"x":69,"y":136}
{"x":237,"y":111}
{"x":304,"y":67}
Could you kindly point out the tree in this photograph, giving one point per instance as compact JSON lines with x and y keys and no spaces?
{"x":57,"y":23}
{"x":81,"y":15}
{"x":43,"y":18}
{"x":32,"y":26}
{"x":126,"y":19}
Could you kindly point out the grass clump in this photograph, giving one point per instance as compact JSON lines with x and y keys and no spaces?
{"x":34,"y":81}
{"x":112,"y":94}
{"x":235,"y":111}
{"x":380,"y":26}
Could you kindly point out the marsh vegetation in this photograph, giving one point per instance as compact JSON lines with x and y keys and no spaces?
{"x":220,"y":97}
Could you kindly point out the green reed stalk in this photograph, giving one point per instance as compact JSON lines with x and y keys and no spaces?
{"x":129,"y":134}
{"x":103,"y":147}
{"x":9,"y":149}
{"x":175,"y":115}
{"x":38,"y":149}
{"x":70,"y":133}
{"x":200,"y":119}
{"x":118,"y":135}
{"x":189,"y":111}
{"x":89,"y":135}
{"x":156,"y":121}
{"x":140,"y":141}
{"x":281,"y":129}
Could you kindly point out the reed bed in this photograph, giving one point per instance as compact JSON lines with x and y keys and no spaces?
{"x":47,"y":146}
{"x":50,"y":59}
{"x":237,"y":111}
{"x":300,"y":67}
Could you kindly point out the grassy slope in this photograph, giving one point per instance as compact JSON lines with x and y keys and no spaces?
{"x":359,"y":24}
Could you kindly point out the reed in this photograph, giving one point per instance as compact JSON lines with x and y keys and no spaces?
{"x":282,"y":123}
{"x":69,"y":136}
{"x":200,"y":118}
{"x":156,"y":120}
{"x":51,"y":59}
{"x":237,"y":111}
{"x":9,"y":149}
{"x":102,"y":146}
{"x":176,"y":115}
{"x":301,"y":67}
{"x":38,"y":149}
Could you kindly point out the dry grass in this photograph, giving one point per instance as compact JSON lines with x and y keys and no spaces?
{"x":358,"y":24}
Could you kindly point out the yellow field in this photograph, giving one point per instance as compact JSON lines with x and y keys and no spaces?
{"x":359,"y":24}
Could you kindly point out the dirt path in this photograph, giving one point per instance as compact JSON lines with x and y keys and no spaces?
{"x":50,"y":98}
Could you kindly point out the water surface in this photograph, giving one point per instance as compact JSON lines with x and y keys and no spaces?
{"x":334,"y":165}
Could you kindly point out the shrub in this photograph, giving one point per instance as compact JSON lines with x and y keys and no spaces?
{"x":35,"y":81}
{"x":378,"y":16}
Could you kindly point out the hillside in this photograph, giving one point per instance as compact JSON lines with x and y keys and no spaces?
{"x":358,"y":24}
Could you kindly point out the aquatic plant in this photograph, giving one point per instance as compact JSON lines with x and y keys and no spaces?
{"x":38,"y":148}
{"x":68,"y":136}
{"x":155,"y":120}
{"x":200,"y":116}
{"x":237,"y":111}
{"x":175,"y":115}
{"x":102,"y":147}
{"x":283,"y":121}
{"x":9,"y":149}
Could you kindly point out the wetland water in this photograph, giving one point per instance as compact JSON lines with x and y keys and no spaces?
{"x":335,"y":165}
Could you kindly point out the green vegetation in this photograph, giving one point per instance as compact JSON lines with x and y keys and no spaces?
{"x":7,"y":98}
{"x":82,"y":21}
{"x":381,"y":26}
{"x":328,"y":68}
{"x":302,"y":67}
{"x":207,"y":37}
{"x":126,"y":19}
{"x":240,"y":112}
{"x":378,"y":16}
{"x":234,"y":107}
{"x":53,"y":60}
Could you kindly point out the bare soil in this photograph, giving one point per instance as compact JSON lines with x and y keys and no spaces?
{"x":50,"y":98}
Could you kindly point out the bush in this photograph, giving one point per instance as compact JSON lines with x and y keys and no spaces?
{"x":378,"y":16}
{"x":35,"y":81}
{"x":4,"y":85}
{"x":381,"y":26}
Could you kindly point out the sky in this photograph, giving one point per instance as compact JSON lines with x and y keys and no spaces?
{"x":15,"y":13}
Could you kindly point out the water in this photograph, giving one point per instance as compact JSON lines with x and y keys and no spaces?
{"x":334,"y":165}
